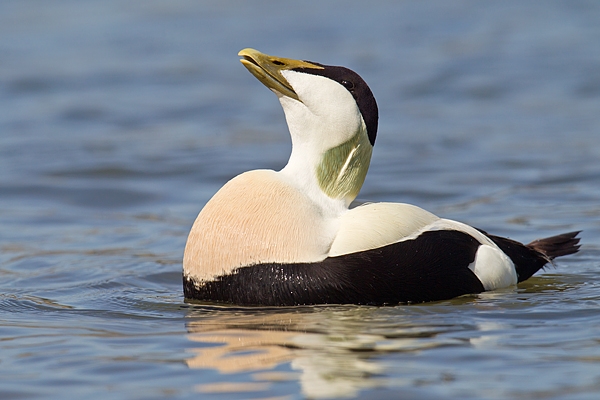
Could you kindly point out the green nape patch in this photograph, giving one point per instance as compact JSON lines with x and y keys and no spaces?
{"x":342,"y":171}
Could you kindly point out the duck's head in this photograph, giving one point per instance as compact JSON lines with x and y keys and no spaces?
{"x":332,"y":117}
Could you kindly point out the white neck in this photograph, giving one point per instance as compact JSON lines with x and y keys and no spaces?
{"x":300,"y":172}
{"x":330,"y":174}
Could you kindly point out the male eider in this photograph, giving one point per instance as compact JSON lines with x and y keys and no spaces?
{"x":289,"y":237}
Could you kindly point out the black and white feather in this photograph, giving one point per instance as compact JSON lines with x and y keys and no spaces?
{"x":290,"y":238}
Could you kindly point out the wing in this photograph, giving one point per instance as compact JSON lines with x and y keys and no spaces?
{"x":373,"y":225}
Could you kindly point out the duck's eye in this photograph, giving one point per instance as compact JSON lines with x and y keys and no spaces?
{"x":347,"y":84}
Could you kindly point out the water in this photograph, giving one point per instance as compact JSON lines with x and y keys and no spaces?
{"x":119,"y":120}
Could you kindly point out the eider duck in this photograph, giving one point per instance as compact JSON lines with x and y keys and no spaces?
{"x":289,"y":237}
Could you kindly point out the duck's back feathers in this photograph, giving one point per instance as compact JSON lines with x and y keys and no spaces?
{"x":373,"y":225}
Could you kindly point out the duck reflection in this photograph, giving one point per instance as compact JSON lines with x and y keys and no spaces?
{"x":328,"y":351}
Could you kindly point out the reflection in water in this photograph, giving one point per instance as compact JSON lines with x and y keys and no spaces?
{"x":240,"y":349}
{"x":334,"y":350}
{"x":339,"y":351}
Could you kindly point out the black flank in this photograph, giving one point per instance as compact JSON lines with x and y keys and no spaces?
{"x":434,"y":266}
{"x":530,"y":258}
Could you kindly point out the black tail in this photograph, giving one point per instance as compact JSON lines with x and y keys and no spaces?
{"x":557,"y":246}
{"x":530,"y":258}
